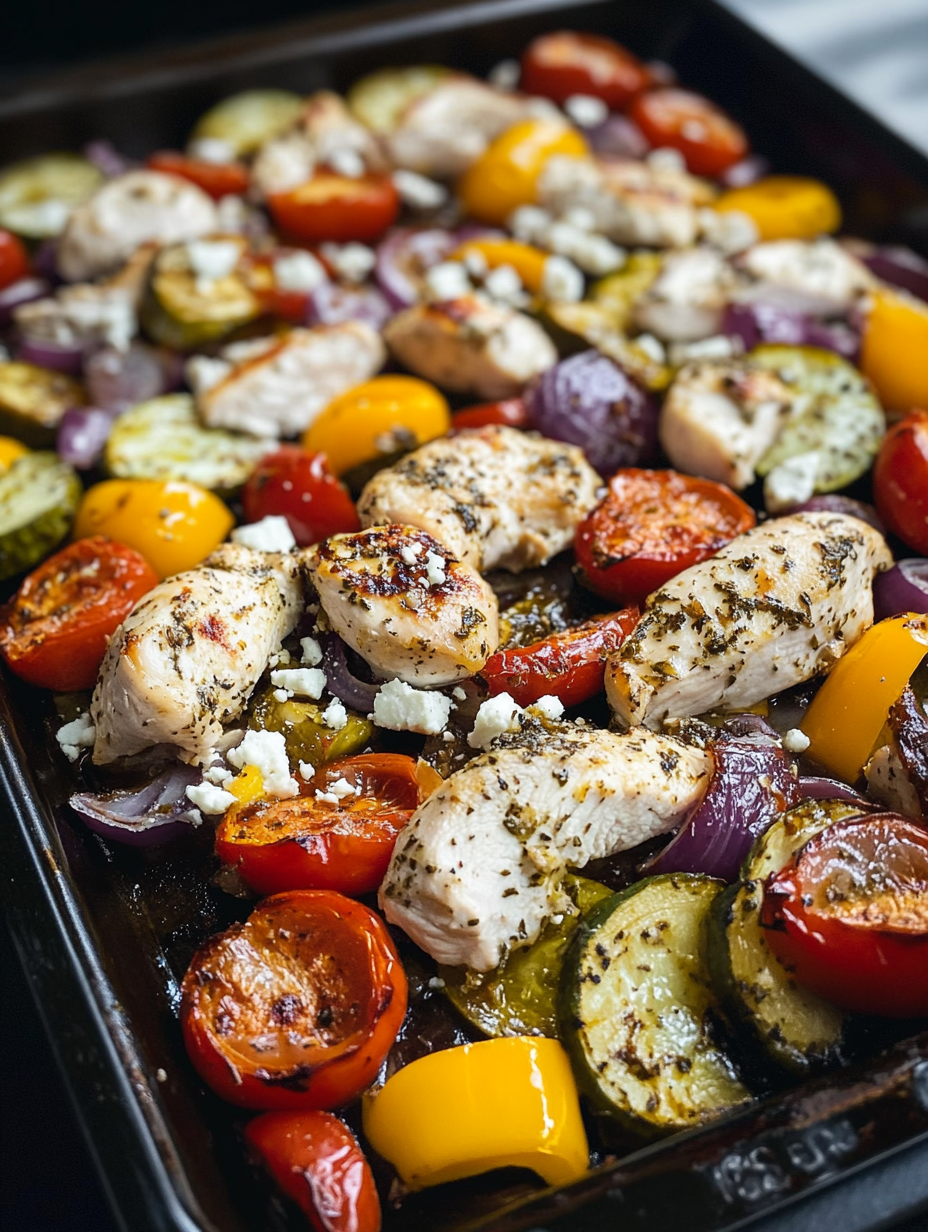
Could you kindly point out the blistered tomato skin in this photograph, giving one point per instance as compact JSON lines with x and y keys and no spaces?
{"x":337,"y":209}
{"x":14,"y":264}
{"x":299,"y":486}
{"x":900,"y":480}
{"x":216,"y":179}
{"x":510,"y":413}
{"x":566,"y":63}
{"x":708,"y":139}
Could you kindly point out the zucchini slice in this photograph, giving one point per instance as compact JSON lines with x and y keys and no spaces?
{"x":638,"y":1010}
{"x":247,"y":120}
{"x":380,"y":99}
{"x":33,"y":401}
{"x":577,"y":327}
{"x":617,"y":292}
{"x":306,"y":737}
{"x":520,"y":996}
{"x":38,"y":195}
{"x":182,"y":310}
{"x":778,"y":1020}
{"x":39,"y":495}
{"x":164,"y":439}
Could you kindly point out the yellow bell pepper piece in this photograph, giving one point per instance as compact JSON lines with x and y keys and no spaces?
{"x":378,"y":417}
{"x":500,"y":1103}
{"x":785,"y":207}
{"x":10,"y":450}
{"x":505,"y":176}
{"x":847,"y":715}
{"x":174,"y":525}
{"x":247,"y":786}
{"x":528,"y":262}
{"x":894,"y":349}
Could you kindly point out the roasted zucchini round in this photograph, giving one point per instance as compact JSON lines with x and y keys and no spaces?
{"x":39,"y":495}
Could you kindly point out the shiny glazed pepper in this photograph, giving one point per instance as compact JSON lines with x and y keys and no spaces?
{"x":894,"y":349}
{"x":506,"y":174}
{"x":786,"y":207}
{"x":174,"y":525}
{"x":499,"y":1103}
{"x":247,"y":786}
{"x":10,"y":450}
{"x":528,"y":262}
{"x":848,"y":713}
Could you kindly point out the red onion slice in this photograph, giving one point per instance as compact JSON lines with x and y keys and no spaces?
{"x":25,"y":291}
{"x":153,"y":814}
{"x":331,"y":304}
{"x":404,"y":256}
{"x":904,"y":588}
{"x":900,"y":267}
{"x":106,"y":158}
{"x":618,"y":136}
{"x":755,"y":323}
{"x":833,"y":502}
{"x":66,"y":359}
{"x":82,"y":433}
{"x":119,"y":379}
{"x":817,"y":787}
{"x":748,"y":171}
{"x":357,"y":694}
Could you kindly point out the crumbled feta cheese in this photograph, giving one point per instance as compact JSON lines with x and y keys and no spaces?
{"x":796,"y":741}
{"x":307,"y":770}
{"x":562,"y":282}
{"x":335,"y":715}
{"x":719,"y":346}
{"x":592,"y":253}
{"x":218,"y":775}
{"x":505,"y":75}
{"x":409,"y":553}
{"x":447,"y":280}
{"x":419,"y":192}
{"x":400,"y":707}
{"x":666,"y":159}
{"x":549,"y":706}
{"x":328,"y":796}
{"x":543,"y":109}
{"x":580,"y":217}
{"x":311,"y":651}
{"x":476,"y":264}
{"x":497,"y":715}
{"x":586,"y":110}
{"x":233,"y":214}
{"x":298,"y":271}
{"x":203,"y":372}
{"x":282,"y":656}
{"x":731,"y":231}
{"x":77,"y":735}
{"x":448,"y":737}
{"x":210,"y":799}
{"x":459,"y":694}
{"x":302,"y":681}
{"x":341,"y":789}
{"x":436,"y":982}
{"x":504,"y":284}
{"x":347,"y":162}
{"x":652,"y":347}
{"x":792,"y":482}
{"x":529,"y":223}
{"x":271,"y":534}
{"x":282,"y":695}
{"x":351,"y":261}
{"x":212,"y":259}
{"x":267,"y":751}
{"x":435,"y":569}
{"x":211,"y":150}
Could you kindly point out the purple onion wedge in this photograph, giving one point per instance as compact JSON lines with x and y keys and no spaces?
{"x":403,"y":258}
{"x":25,"y":291}
{"x":754,"y":323}
{"x":834,"y":502}
{"x":618,"y":136}
{"x":82,"y":433}
{"x":331,"y":304}
{"x":155,"y":813}
{"x":66,"y":359}
{"x":904,"y":588}
{"x":357,"y":694}
{"x":900,"y":267}
{"x":118,"y":379}
{"x":817,"y":787}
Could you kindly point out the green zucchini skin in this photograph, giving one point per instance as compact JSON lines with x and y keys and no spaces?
{"x":644,"y":1047}
{"x":39,"y":496}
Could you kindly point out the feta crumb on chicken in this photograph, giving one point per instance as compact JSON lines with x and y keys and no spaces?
{"x":447,"y":280}
{"x":267,"y":752}
{"x":210,"y":799}
{"x":400,"y":707}
{"x":298,"y":271}
{"x":300,"y":681}
{"x":496,"y":715}
{"x":271,"y":534}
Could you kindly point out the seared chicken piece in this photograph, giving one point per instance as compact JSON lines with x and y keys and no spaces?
{"x":687,"y":299}
{"x":278,"y":387}
{"x":720,"y":417}
{"x":631,"y":202}
{"x":442,"y":132}
{"x":888,"y":781}
{"x":187,"y":657}
{"x":79,"y":316}
{"x":816,"y":276}
{"x":470,"y":345}
{"x":408,"y":606}
{"x":495,"y":497}
{"x":778,"y":604}
{"x":477,"y":869}
{"x":130,"y":210}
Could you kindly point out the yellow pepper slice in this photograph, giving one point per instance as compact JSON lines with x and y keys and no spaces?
{"x":378,"y":417}
{"x":528,"y":262}
{"x":846,"y":718}
{"x":174,"y":525}
{"x":785,"y":207}
{"x":10,"y":450}
{"x":505,"y":176}
{"x":247,"y":786}
{"x":500,"y":1103}
{"x":894,"y":349}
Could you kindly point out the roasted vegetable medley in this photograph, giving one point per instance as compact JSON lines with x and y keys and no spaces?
{"x":492,"y":516}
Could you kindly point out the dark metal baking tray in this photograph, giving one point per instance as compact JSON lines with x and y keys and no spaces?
{"x":104,"y":935}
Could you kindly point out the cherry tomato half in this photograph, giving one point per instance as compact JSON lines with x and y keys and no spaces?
{"x":336,"y":208}
{"x":900,"y":480}
{"x":849,"y":914}
{"x":565,"y":63}
{"x":570,"y":665}
{"x":315,"y":1159}
{"x":298,"y":1006}
{"x":651,"y":526}
{"x":511,"y":413}
{"x":708,"y":139}
{"x":14,"y":264}
{"x":300,"y":487}
{"x":216,"y":179}
{"x":317,"y":841}
{"x":54,"y":630}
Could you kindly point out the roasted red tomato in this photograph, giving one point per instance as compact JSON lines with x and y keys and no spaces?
{"x":849,"y":914}
{"x":706,"y":137}
{"x":14,"y":264}
{"x":54,"y":630}
{"x":651,"y":526}
{"x":559,"y":65}
{"x":216,"y":179}
{"x":315,"y":1159}
{"x":511,"y":413}
{"x":336,"y":208}
{"x":298,"y":1006}
{"x":900,"y":480}
{"x":570,"y":665}
{"x":324,"y":839}
{"x":300,"y":487}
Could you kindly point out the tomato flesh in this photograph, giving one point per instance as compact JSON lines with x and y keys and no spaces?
{"x":298,"y":1006}
{"x":315,"y":1159}
{"x":708,"y":139}
{"x":849,"y":915}
{"x":900,"y":480}
{"x":14,"y":264}
{"x":569,"y":665}
{"x":299,"y":486}
{"x":308,"y":843}
{"x":560,"y":65}
{"x":55,"y":629}
{"x":335,"y":208}
{"x":216,"y":179}
{"x":510,"y":413}
{"x":651,"y":526}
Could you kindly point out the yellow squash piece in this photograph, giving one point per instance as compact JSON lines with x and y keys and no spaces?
{"x":848,"y":713}
{"x":247,"y":786}
{"x":10,"y":450}
{"x":528,"y":262}
{"x":894,"y":350}
{"x":506,"y":175}
{"x":500,"y":1103}
{"x":785,"y":207}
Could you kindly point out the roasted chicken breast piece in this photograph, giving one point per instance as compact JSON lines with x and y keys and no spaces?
{"x":495,"y":497}
{"x":406,"y":604}
{"x":815,"y":276}
{"x":778,"y":604}
{"x":477,"y":869}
